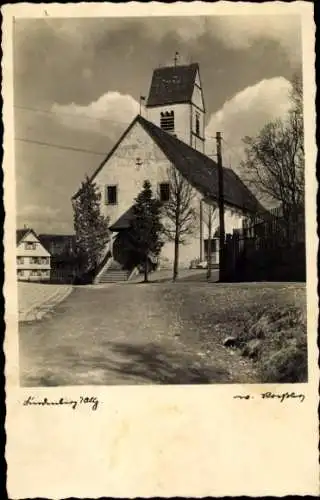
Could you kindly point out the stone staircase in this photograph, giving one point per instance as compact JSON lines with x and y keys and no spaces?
{"x":113,"y":273}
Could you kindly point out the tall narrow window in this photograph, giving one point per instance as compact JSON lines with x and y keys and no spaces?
{"x":164,"y":192}
{"x":111,"y":195}
{"x":198,"y":124}
{"x":167,"y":121}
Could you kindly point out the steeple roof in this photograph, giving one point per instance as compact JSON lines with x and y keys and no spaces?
{"x":172,"y":85}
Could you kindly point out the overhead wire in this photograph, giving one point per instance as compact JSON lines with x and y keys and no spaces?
{"x":84,"y":116}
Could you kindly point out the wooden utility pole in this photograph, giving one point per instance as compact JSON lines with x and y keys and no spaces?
{"x":221,"y":210}
{"x":201,"y":229}
{"x":209,"y":253}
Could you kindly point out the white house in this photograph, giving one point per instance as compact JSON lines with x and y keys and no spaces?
{"x":33,"y":260}
{"x":170,"y":135}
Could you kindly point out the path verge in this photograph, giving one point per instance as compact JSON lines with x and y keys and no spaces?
{"x":43,"y":303}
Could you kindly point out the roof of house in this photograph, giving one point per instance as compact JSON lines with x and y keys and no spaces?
{"x":172,"y":85}
{"x":21,"y":233}
{"x":57,"y":240}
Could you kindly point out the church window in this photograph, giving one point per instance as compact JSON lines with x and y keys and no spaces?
{"x":111,"y":195}
{"x":164,"y":192}
{"x":197,"y":124}
{"x":167,"y":121}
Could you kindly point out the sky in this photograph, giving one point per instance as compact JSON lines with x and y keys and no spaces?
{"x":77,"y":83}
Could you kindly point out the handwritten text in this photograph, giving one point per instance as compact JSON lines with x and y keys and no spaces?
{"x":271,"y":395}
{"x":92,"y":401}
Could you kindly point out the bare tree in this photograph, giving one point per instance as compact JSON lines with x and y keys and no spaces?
{"x":274,"y":164}
{"x":209,"y":212}
{"x":180,"y":213}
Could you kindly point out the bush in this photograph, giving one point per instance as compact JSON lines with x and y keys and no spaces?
{"x":289,"y":365}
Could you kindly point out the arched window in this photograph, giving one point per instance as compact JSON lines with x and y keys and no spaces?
{"x":167,"y":120}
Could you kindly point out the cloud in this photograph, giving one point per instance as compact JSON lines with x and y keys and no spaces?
{"x":107,"y":115}
{"x":44,"y":219}
{"x":38,"y":211}
{"x":235,"y":32}
{"x":245,"y":114}
{"x":241,"y":31}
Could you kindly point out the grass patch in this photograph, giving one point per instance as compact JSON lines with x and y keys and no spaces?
{"x":276,"y":339}
{"x":268,"y":322}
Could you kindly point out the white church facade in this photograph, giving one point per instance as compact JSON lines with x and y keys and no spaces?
{"x":171,"y":134}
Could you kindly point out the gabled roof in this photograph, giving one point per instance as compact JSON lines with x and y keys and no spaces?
{"x":172,"y":85}
{"x":52,"y":242}
{"x":200,"y":170}
{"x":21,"y":233}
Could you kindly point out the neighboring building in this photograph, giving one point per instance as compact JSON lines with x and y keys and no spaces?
{"x":33,"y":260}
{"x":58,"y":244}
{"x":62,"y":250}
{"x":172,"y":136}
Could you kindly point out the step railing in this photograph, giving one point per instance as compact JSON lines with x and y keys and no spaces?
{"x":104,"y":266}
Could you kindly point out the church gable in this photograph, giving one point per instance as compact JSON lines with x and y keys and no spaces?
{"x":135,"y":154}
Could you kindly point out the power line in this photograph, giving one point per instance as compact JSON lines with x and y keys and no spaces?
{"x":87,"y":151}
{"x":71,"y":148}
{"x":48,"y":144}
{"x":74,"y":115}
{"x":85,"y":117}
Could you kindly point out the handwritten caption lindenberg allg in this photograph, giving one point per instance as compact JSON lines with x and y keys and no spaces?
{"x":90,"y":401}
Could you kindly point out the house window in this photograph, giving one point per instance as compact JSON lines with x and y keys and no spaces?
{"x":30,"y":245}
{"x":167,"y":121}
{"x":111,"y":195}
{"x":20,"y":272}
{"x":20,"y":260}
{"x":36,"y":273}
{"x":164,"y":192}
{"x":198,"y":124}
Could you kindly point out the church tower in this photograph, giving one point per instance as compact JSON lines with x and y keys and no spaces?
{"x":175,"y":103}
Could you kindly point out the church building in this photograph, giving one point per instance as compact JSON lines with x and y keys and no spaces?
{"x":169,"y":133}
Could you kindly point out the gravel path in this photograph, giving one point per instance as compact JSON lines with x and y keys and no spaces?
{"x":142,"y":334}
{"x":120,"y":335}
